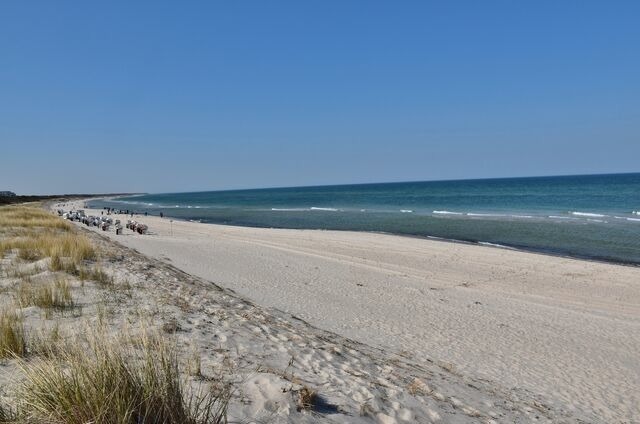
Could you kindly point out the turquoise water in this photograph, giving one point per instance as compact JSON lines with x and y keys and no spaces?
{"x":590,"y":216}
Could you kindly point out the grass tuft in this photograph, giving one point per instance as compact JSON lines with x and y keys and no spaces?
{"x":99,"y":277}
{"x":30,"y":255}
{"x":56,"y":263}
{"x":306,"y":398}
{"x":50,"y":297}
{"x":6,"y":415}
{"x":13,"y":340}
{"x":107,"y":382}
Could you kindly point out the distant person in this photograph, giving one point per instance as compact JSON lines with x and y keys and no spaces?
{"x":161,"y":215}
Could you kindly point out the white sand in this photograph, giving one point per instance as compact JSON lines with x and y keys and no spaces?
{"x":567,"y":330}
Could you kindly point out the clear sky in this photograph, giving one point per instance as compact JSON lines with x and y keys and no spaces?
{"x":159,"y":96}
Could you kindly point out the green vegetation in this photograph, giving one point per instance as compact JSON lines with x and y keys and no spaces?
{"x":110,"y":381}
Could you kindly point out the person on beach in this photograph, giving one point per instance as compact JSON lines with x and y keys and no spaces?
{"x":161,"y":215}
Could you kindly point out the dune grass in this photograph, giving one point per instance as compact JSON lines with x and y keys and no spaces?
{"x":38,"y":234}
{"x":13,"y":339}
{"x":93,"y":376}
{"x":110,"y":381}
{"x":6,"y":415}
{"x":49,"y":244}
{"x":50,"y":297}
{"x":30,"y":217}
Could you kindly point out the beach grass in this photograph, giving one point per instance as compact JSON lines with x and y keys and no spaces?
{"x":50,"y":296}
{"x":107,"y":380}
{"x":30,"y":217}
{"x":36,"y":234}
{"x":13,"y":338}
{"x":95,"y":376}
{"x":6,"y":415}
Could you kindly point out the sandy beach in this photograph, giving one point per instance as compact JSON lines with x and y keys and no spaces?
{"x":564,"y":329}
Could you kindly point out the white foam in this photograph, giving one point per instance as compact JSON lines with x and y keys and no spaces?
{"x":521,"y":216}
{"x":447,"y":213}
{"x":596,"y":215}
{"x":561,"y":217}
{"x":596,"y":220}
{"x":406,"y":211}
{"x":633,"y":219}
{"x":324,"y":209}
{"x":288,"y":209}
{"x":486,"y":243}
{"x":486,"y":214}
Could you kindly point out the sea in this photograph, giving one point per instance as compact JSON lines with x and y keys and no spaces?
{"x":585,"y":216}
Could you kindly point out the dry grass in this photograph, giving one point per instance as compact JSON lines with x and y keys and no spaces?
{"x":29,"y":255}
{"x":95,"y":378}
{"x":37,"y":234}
{"x":30,"y":217}
{"x":13,"y":339}
{"x":50,"y":297}
{"x":307,"y":398}
{"x":6,"y":415}
{"x":108,"y":381}
{"x":98,"y":276}
{"x":49,"y":244}
{"x":45,"y":342}
{"x":194,"y":364}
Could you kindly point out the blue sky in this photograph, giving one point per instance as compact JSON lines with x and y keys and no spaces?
{"x":183,"y":96}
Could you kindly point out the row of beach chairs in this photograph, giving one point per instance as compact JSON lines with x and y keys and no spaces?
{"x":103,"y":222}
{"x":138,"y":227}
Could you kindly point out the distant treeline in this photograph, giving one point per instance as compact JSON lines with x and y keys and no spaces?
{"x":7,"y":200}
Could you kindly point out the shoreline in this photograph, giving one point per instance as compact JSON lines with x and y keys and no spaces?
{"x":476,"y":310}
{"x":519,"y":248}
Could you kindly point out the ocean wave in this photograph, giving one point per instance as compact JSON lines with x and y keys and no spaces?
{"x":289,"y":209}
{"x":590,"y":214}
{"x":489,"y":215}
{"x":626,"y":218}
{"x":596,"y":220}
{"x":562,"y":217}
{"x":314,"y":208}
{"x":486,"y":243}
{"x":406,"y":211}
